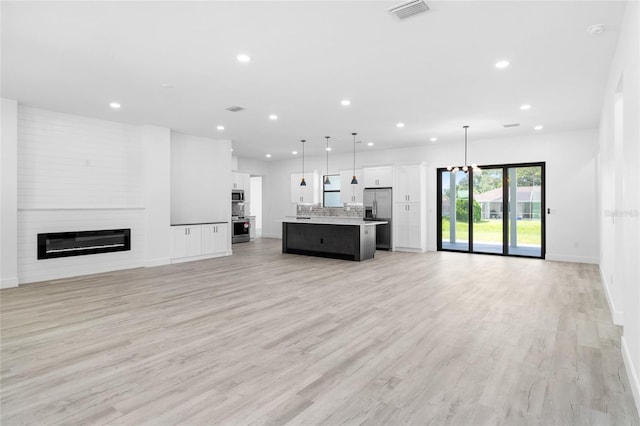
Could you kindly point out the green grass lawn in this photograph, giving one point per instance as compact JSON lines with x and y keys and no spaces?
{"x":490,"y":231}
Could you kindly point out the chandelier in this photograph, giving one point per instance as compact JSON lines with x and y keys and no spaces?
{"x":466,"y":167}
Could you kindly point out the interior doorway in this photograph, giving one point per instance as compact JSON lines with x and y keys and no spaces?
{"x":499,"y":210}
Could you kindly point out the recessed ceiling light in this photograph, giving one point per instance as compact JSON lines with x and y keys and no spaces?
{"x":345,"y":102}
{"x":268,"y":155}
{"x":114,"y":105}
{"x":328,"y":148}
{"x":525,"y":107}
{"x":400,"y":125}
{"x":294,"y":152}
{"x":370,"y":144}
{"x":243,"y":58}
{"x":538,"y":127}
{"x":502,"y":64}
{"x":231,"y":150}
{"x":273,"y":117}
{"x":434,"y":139}
{"x":220,"y":127}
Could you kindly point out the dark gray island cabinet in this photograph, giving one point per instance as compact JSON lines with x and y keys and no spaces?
{"x":347,"y":239}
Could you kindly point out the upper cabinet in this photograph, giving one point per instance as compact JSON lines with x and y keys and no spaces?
{"x":410,"y":180}
{"x":377,"y":177}
{"x":240,"y":181}
{"x":351,"y":194}
{"x":305,"y":194}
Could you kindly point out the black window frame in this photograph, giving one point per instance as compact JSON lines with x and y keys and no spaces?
{"x":324,"y":191}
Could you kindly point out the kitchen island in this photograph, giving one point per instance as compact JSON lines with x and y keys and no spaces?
{"x":350,"y":239}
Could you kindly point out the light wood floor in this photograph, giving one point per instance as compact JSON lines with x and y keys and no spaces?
{"x":266,"y":338}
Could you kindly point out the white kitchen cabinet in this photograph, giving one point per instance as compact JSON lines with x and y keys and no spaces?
{"x":351,"y":194}
{"x":410,"y":196}
{"x":410,"y":230}
{"x":215,"y":238}
{"x":377,"y":177}
{"x":252,"y":228}
{"x":187,"y":241}
{"x":410,"y":182}
{"x":240,"y":181}
{"x":200,"y":241}
{"x":308,"y":193}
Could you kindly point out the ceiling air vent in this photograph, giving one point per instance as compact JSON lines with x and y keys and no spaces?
{"x":408,"y":10}
{"x":512,"y":125}
{"x":235,"y":108}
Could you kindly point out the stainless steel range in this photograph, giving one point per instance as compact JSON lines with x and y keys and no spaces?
{"x":240,"y":229}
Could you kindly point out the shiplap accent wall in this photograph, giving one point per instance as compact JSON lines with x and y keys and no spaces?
{"x":75,"y":174}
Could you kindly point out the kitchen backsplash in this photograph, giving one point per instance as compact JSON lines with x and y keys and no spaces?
{"x":318,"y":210}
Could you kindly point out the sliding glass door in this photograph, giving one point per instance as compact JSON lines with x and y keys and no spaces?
{"x":498,"y":210}
{"x":454,"y":201}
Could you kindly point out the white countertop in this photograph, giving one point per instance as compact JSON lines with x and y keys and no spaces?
{"x":333,"y":221}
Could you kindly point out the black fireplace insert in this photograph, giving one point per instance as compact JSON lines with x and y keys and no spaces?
{"x":63,"y":244}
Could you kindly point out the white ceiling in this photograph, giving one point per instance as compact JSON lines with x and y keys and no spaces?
{"x":434,"y":72}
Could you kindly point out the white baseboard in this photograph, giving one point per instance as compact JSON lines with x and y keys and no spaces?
{"x":616,"y":316}
{"x":632,"y":372}
{"x":149,"y":263}
{"x":573,"y":259}
{"x":9,"y":282}
{"x":203,"y":257}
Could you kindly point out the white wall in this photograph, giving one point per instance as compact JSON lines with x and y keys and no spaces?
{"x":76,"y":174}
{"x":200,"y":179}
{"x":156,"y":145}
{"x":9,"y":195}
{"x":570,"y":171}
{"x":619,"y":183}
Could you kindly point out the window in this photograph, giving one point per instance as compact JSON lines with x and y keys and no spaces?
{"x":331,"y":192}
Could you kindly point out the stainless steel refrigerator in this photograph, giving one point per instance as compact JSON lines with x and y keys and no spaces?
{"x":378,"y":206}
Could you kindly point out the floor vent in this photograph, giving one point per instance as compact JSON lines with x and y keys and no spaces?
{"x":235,"y":108}
{"x":512,"y":125}
{"x":408,"y":10}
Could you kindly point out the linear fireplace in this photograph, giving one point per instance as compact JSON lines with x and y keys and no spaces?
{"x":63,"y":244}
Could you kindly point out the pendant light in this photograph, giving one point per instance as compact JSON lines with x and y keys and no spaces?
{"x":326,"y":177}
{"x":302,"y":182}
{"x":466,"y":167}
{"x":354,"y":181}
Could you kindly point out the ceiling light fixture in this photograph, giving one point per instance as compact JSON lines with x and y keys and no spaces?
{"x":434,"y":139}
{"x":538,"y":127}
{"x":345,"y":102}
{"x":294,"y":152}
{"x":502,"y":64}
{"x":525,"y":107}
{"x":326,"y":177}
{"x":465,"y":168}
{"x":114,"y":105}
{"x":354,"y":180}
{"x":243,"y":58}
{"x":302,"y":182}
{"x":273,"y":117}
{"x":268,"y":155}
{"x":370,"y":144}
{"x":400,"y":125}
{"x":220,"y":127}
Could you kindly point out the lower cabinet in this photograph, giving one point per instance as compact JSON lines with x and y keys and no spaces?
{"x":192,"y":242}
{"x":409,"y":227}
{"x":215,"y":238}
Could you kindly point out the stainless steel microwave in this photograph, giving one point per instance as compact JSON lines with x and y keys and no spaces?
{"x":237,"y":196}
